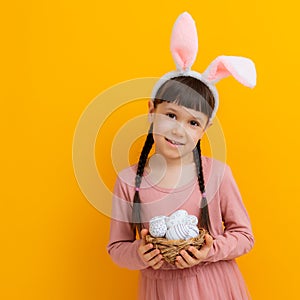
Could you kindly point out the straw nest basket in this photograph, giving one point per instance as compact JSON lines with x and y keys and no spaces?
{"x":169,"y":249}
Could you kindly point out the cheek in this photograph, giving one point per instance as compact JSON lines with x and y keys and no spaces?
{"x":161,"y":126}
{"x":195,"y":136}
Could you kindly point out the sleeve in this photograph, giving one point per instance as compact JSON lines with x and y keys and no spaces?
{"x":237,"y":238}
{"x":123,"y":246}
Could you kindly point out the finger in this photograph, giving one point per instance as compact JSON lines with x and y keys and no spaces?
{"x":143,"y":249}
{"x":208,"y":244}
{"x":188,"y":258}
{"x":155,"y":260}
{"x":181,"y":262}
{"x":178,"y":265}
{"x":151,"y":255}
{"x":208,"y":240}
{"x":158,"y":265}
{"x":195,"y":252}
{"x":202,"y":253}
{"x":144,"y":232}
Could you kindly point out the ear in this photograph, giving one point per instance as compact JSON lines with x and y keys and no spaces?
{"x":241,"y":68}
{"x":208,"y":125}
{"x":151,"y":106}
{"x":205,"y":129}
{"x":150,"y":110}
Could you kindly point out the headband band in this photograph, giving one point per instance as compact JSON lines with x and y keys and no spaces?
{"x":184,"y":48}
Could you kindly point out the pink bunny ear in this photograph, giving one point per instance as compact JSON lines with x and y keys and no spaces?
{"x":184,"y":42}
{"x":241,"y":68}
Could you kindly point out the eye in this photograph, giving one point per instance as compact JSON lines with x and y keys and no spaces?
{"x":195,"y":123}
{"x":171,"y":115}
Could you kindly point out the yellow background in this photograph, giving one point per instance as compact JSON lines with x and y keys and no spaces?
{"x":56,"y":56}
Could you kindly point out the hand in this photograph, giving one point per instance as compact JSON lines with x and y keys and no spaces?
{"x":187,"y":261}
{"x":152,"y":258}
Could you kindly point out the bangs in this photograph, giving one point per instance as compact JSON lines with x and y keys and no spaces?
{"x":188,"y":92}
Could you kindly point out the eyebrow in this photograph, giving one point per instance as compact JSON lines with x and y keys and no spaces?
{"x":175,"y":110}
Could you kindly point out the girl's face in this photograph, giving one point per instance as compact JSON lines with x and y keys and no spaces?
{"x":176,"y":130}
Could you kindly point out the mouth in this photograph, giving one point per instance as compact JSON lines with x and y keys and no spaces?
{"x":175,"y":143}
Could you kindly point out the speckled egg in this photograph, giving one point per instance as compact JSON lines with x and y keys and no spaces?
{"x":158,"y":226}
{"x":190,"y":220}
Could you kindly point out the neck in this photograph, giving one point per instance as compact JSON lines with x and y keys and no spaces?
{"x":173,"y":163}
{"x":170,"y":173}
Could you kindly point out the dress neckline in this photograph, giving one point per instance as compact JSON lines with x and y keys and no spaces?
{"x":171,"y":189}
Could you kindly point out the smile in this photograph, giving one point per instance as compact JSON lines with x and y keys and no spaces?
{"x":174,"y":142}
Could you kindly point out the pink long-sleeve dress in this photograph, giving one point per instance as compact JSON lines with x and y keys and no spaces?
{"x":218,"y":276}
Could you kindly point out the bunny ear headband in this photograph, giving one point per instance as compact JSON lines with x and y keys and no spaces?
{"x":184,"y":48}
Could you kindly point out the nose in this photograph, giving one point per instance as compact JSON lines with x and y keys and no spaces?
{"x":178,"y":129}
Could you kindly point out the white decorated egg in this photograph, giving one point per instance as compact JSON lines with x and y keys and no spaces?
{"x":190,"y":220}
{"x":179,"y":214}
{"x":177,"y":232}
{"x":158,"y":226}
{"x":176,"y":218}
{"x":193,"y":231}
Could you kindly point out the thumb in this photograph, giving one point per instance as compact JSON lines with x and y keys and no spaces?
{"x":144,"y":232}
{"x":208,"y":241}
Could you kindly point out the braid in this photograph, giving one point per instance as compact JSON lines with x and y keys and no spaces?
{"x":136,"y":214}
{"x":204,"y":215}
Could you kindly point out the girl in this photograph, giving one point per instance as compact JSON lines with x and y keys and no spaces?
{"x":177,"y":176}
